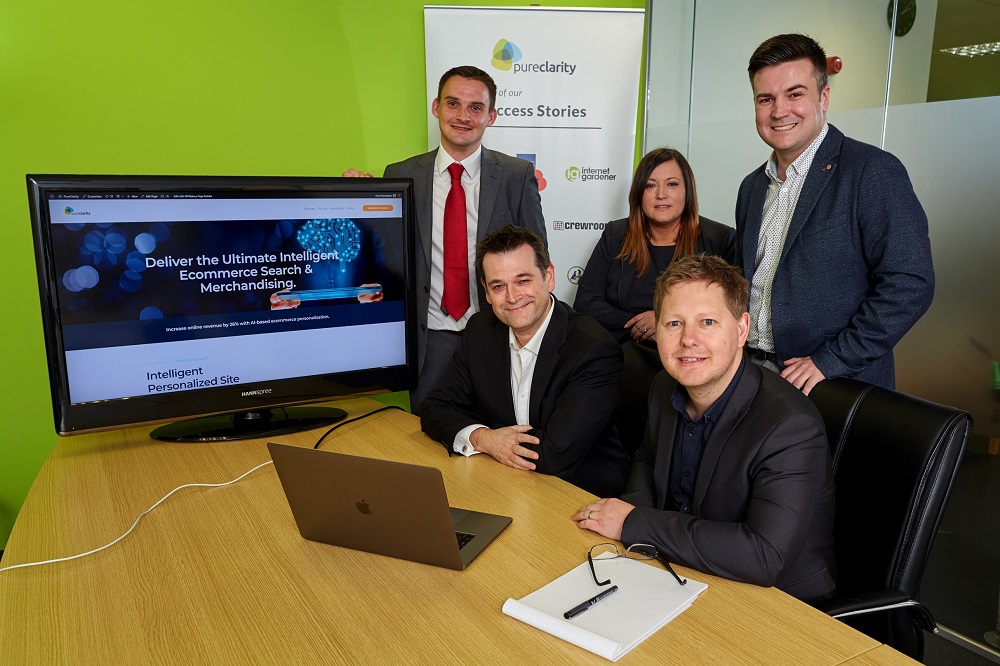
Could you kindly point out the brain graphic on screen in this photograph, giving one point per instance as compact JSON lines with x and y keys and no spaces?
{"x":337,"y":235}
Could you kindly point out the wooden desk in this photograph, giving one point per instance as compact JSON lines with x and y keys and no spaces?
{"x":221,"y":575}
{"x":883,"y":655}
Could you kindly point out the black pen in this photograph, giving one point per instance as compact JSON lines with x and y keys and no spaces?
{"x":576,"y":610}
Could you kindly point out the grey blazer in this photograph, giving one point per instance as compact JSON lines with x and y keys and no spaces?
{"x":508,"y":194}
{"x":855,"y":272}
{"x":763,"y":503}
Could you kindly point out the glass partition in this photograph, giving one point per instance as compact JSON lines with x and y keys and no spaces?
{"x":922,"y":81}
{"x":948,"y":142}
{"x":700,"y":101}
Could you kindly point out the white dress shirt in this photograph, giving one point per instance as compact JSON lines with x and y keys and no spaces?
{"x":779,"y":207}
{"x":437,"y":320}
{"x":522,"y":371}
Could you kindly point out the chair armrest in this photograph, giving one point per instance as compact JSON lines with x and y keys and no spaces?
{"x":877,"y":602}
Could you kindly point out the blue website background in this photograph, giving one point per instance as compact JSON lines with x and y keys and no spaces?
{"x":117,"y":272}
{"x":149,"y":308}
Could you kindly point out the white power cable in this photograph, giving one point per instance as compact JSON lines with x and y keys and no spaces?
{"x":129,"y":531}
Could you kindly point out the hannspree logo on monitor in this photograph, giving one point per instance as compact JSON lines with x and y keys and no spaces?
{"x":69,"y":211}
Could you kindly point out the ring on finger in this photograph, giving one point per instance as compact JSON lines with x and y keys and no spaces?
{"x":590,"y":515}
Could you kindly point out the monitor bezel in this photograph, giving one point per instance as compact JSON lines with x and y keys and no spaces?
{"x":77,"y":418}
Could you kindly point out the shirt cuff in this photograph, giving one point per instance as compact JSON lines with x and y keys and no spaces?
{"x":462,"y":444}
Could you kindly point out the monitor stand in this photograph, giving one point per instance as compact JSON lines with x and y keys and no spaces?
{"x":248,"y":425}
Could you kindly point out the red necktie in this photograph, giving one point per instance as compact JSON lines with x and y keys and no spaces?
{"x":455,"y":300}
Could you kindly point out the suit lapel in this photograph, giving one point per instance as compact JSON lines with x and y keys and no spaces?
{"x":732,"y":414}
{"x":666,"y":435}
{"x":626,"y":277}
{"x":823,"y":166}
{"x":423,"y":185}
{"x":490,"y":175}
{"x":498,"y":371}
{"x":751,"y":237}
{"x":548,"y":359}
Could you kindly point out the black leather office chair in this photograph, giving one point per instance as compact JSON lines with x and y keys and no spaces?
{"x":895,"y":459}
{"x":642,"y":364}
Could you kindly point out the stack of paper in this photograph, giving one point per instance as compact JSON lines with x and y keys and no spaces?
{"x":647,"y":598}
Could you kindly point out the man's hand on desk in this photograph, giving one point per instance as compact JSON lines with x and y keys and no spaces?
{"x":505,"y":445}
{"x":605,"y":516}
{"x":354,"y":173}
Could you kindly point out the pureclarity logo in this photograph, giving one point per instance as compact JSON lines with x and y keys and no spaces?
{"x":69,"y":211}
{"x":507,"y":57}
{"x":505,"y":54}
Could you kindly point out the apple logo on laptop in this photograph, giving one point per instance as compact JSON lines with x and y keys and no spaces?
{"x":363,"y":507}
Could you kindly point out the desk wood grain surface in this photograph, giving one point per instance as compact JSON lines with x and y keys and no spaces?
{"x":882,"y":655}
{"x":221,"y":575}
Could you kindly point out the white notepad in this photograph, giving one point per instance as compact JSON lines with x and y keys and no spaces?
{"x":647,"y":598}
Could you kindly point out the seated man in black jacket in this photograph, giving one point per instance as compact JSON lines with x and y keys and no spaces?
{"x":734,"y":476}
{"x":535,"y":386}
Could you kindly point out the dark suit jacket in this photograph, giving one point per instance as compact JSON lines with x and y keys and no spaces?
{"x":763,"y":506}
{"x":508,"y":194}
{"x":574,"y":392}
{"x":855,"y":273}
{"x":604,"y":287}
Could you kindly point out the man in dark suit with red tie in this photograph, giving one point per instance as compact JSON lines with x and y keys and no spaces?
{"x":498,"y":189}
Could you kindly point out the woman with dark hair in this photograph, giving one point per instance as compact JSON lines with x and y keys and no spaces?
{"x":616,"y":288}
{"x":663,"y":224}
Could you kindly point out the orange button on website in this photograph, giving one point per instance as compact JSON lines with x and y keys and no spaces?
{"x":377,"y":207}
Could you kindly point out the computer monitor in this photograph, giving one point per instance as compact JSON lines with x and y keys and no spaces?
{"x":231,"y":299}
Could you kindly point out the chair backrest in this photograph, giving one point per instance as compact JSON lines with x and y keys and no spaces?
{"x":895,"y":460}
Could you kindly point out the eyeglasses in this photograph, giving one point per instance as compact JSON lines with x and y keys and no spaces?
{"x":637,"y":551}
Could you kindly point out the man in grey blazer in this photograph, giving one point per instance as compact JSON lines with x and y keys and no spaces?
{"x":733,"y":477}
{"x":829,"y":233}
{"x":499,"y":190}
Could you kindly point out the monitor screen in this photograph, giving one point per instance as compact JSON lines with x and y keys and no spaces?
{"x":165,"y":298}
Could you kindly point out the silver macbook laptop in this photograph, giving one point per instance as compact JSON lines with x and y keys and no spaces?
{"x":380,"y":506}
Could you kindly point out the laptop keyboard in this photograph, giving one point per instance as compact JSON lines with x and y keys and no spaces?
{"x":463,"y":539}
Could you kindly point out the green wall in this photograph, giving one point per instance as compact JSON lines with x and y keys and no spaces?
{"x":301,"y":87}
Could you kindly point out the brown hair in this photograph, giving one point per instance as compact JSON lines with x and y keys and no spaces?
{"x":789,"y":48}
{"x":705,"y":268}
{"x":634,"y":249}
{"x":474,"y":73}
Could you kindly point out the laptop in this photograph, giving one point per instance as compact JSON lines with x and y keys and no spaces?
{"x":380,"y":506}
